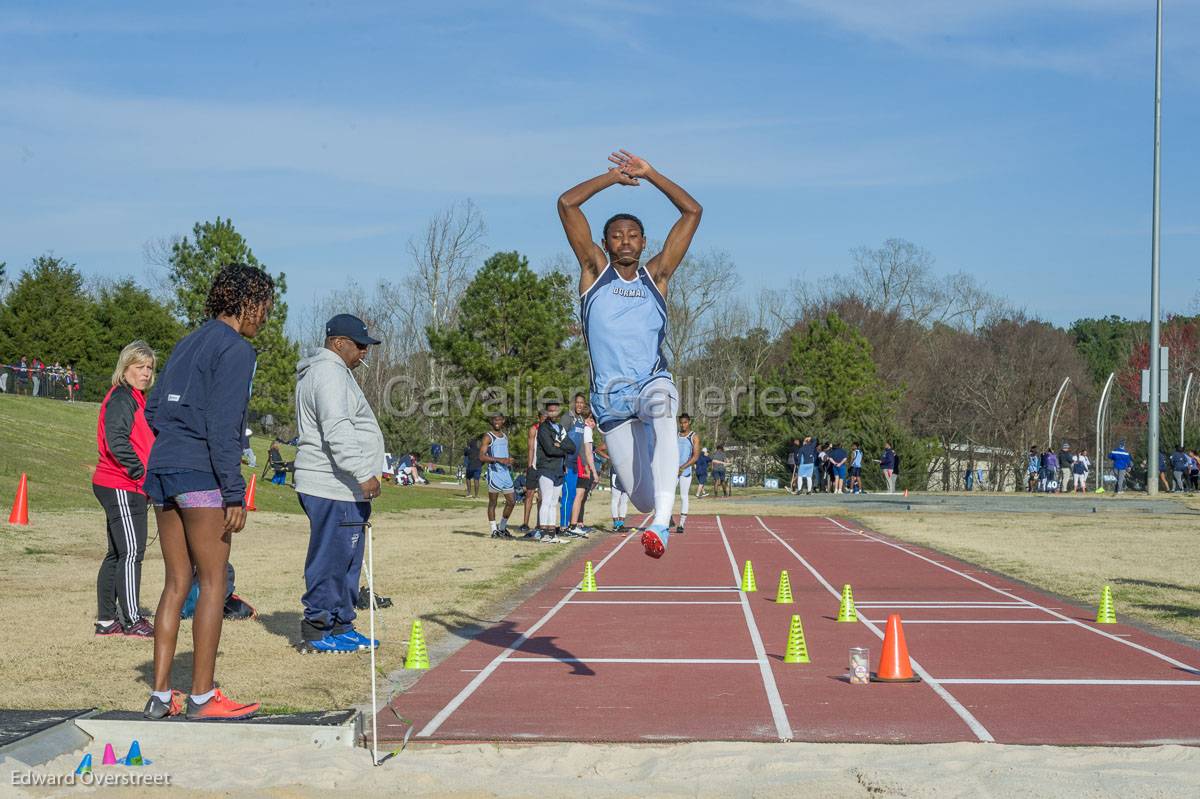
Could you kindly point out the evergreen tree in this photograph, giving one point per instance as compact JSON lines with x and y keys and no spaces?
{"x":512,"y":324}
{"x":193,"y":265}
{"x":126,"y":312}
{"x":48,"y":315}
{"x":843,"y":399}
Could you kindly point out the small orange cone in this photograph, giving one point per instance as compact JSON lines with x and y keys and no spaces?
{"x":250,"y":493}
{"x":20,"y":508}
{"x":894,"y":664}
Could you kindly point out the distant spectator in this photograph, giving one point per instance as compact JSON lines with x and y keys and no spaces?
{"x":837,"y":458}
{"x":888,"y":464}
{"x":1080,"y":467}
{"x":248,"y":453}
{"x":793,"y":467}
{"x":805,"y":458}
{"x":1033,"y":470}
{"x":856,"y":458}
{"x":719,"y":462}
{"x":702,"y":466}
{"x":1121,"y":462}
{"x":473,"y":465}
{"x":1065,"y":459}
{"x":1180,"y":466}
{"x":1051,"y":471}
{"x":124,"y":439}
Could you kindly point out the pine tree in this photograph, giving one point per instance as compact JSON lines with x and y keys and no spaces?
{"x":193,"y":265}
{"x":513,"y":323}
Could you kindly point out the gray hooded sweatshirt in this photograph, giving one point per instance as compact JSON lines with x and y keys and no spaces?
{"x":341,"y":444}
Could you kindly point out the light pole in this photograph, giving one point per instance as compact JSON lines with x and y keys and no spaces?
{"x":1155,"y":375}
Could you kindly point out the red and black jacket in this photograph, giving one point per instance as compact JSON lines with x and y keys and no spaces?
{"x":123,"y":439}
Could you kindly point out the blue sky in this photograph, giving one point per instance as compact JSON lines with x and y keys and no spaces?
{"x":1010,"y":138}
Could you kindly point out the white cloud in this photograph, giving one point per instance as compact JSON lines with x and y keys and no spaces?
{"x":517,"y":151}
{"x":1098,"y":37}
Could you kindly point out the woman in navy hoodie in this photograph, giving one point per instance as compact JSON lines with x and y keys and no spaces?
{"x":194,"y":480}
{"x":124,"y":439}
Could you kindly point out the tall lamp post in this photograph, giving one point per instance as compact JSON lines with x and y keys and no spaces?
{"x":1155,"y":375}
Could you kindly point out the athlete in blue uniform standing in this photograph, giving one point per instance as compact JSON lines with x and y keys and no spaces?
{"x":623,"y":308}
{"x":493,"y":451}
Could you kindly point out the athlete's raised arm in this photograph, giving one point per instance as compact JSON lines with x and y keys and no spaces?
{"x":663,"y":265}
{"x":592,"y":259}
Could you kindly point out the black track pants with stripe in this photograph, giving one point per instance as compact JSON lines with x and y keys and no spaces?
{"x":119,"y":582}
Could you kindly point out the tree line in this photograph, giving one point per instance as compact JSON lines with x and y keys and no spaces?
{"x":890,"y":352}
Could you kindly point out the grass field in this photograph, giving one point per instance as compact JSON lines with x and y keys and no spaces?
{"x":55,"y":444}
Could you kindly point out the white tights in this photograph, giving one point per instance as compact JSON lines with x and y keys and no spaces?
{"x":649,"y":470}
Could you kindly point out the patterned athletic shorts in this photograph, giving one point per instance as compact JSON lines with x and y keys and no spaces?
{"x":196,"y":499}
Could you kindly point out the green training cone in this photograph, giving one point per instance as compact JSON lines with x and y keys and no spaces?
{"x":589,"y":578}
{"x":846,"y":610}
{"x":1105,"y":614}
{"x":797,"y":650}
{"x":418,"y":656}
{"x":783,"y":596}
{"x":748,"y":584}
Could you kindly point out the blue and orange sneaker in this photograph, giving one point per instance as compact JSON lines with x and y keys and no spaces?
{"x":654,"y":539}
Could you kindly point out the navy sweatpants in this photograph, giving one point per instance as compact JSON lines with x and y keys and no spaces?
{"x":333,"y":564}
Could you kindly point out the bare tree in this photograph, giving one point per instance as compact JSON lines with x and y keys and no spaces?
{"x":897,"y":277}
{"x":698,"y":287}
{"x":441,"y":257}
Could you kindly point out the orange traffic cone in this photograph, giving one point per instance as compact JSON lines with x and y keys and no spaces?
{"x":894,"y":665}
{"x":250,"y":493}
{"x":20,"y":508}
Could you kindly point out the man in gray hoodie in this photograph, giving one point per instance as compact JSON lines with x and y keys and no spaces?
{"x":337,"y":463}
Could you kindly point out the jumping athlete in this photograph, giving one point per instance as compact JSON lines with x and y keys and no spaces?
{"x":493,"y":452}
{"x":623,"y":308}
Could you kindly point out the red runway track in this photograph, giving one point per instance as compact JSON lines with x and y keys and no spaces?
{"x":671,"y":650}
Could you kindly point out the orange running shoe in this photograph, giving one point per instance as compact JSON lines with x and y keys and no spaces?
{"x":220,"y":706}
{"x":157,"y":709}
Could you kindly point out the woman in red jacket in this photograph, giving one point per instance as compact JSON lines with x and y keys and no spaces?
{"x":124,"y":439}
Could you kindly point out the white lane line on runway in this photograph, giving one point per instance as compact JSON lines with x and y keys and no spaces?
{"x":470,"y":688}
{"x":916,"y":603}
{"x":1038,"y":681}
{"x":973,"y":723}
{"x":576,"y":602}
{"x":660,"y":589}
{"x":669,"y":661}
{"x":972,"y":621}
{"x":1149,"y":651}
{"x":782,"y":726}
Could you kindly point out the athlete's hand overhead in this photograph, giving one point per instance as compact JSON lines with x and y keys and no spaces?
{"x":630,"y":164}
{"x":622,"y":178}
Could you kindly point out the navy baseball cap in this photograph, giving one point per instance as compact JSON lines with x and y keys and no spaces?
{"x":350,"y":327}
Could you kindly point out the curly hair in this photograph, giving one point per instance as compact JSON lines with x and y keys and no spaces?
{"x":238,"y":288}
